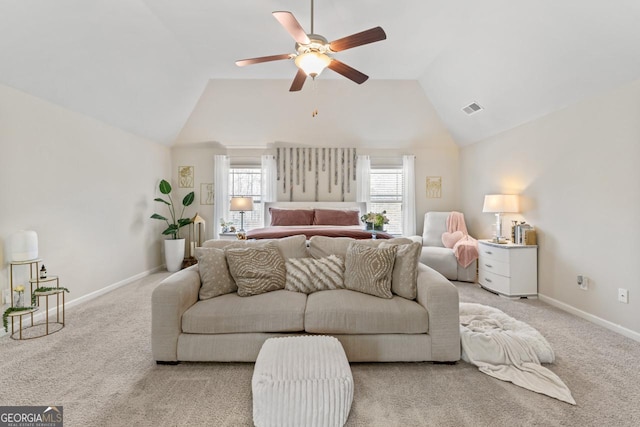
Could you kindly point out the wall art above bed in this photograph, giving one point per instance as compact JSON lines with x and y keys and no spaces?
{"x":316,"y":173}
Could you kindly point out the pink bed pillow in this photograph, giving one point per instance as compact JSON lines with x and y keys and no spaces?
{"x":284,"y":217}
{"x":336,"y":217}
{"x":449,"y":240}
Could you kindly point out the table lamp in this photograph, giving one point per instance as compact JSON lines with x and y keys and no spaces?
{"x":241,"y":204}
{"x":499,"y":204}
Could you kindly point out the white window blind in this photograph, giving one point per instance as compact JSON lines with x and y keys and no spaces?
{"x":386,"y":195}
{"x":246,"y":182}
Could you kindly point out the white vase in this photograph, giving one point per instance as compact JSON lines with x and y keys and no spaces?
{"x":173,"y":254}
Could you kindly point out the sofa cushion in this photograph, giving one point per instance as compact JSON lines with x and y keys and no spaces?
{"x":347,"y":312}
{"x":321,"y":246}
{"x":278,"y":311}
{"x":440,"y":259}
{"x":291,"y":247}
{"x":214,"y":273}
{"x":256,"y":269}
{"x":309,"y":275}
{"x":369,"y":270}
{"x":405,"y":269}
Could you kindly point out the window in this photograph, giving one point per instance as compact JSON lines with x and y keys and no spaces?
{"x":386,"y":195}
{"x":246,"y":182}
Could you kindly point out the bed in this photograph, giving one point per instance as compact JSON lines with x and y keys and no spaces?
{"x":330,"y":219}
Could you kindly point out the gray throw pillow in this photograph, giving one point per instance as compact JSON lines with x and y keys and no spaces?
{"x":309,"y":275}
{"x":368,"y":270}
{"x":256,"y":269}
{"x":405,"y":269}
{"x":214,"y":273}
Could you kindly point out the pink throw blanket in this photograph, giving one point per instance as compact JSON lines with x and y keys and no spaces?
{"x":466,"y":249}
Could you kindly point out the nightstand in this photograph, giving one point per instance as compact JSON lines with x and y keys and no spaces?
{"x":507,"y":269}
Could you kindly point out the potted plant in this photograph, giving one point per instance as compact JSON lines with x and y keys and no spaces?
{"x":174,"y":246}
{"x":375,"y":220}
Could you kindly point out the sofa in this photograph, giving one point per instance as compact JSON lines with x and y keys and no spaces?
{"x":422,"y":325}
{"x":436,"y":255}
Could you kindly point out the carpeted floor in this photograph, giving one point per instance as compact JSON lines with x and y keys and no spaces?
{"x":99,"y":367}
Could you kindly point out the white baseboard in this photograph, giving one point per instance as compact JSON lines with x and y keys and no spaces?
{"x":591,"y":318}
{"x":39,"y":315}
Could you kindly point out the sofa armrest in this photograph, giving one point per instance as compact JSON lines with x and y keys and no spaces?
{"x":415,"y":238}
{"x":173,"y":296}
{"x":440,"y":297}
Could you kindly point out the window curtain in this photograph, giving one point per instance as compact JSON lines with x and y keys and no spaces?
{"x":408,"y":195}
{"x":269,"y":179}
{"x":363,"y":169}
{"x":221,"y":192}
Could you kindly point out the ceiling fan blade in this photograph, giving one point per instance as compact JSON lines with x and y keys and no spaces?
{"x":293,"y":27}
{"x":347,"y":71}
{"x":243,"y":62}
{"x":354,"y":40}
{"x":298,"y":81}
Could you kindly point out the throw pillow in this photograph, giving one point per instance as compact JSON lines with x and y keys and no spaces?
{"x":214,"y":273}
{"x":368,"y":270}
{"x":404,"y":279}
{"x":257,"y":269}
{"x":450,"y":239}
{"x":309,"y":275}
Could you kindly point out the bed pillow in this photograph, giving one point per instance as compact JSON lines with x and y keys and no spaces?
{"x":404,"y":279}
{"x":284,"y":217}
{"x":369,"y":270}
{"x":309,"y":275}
{"x":256,"y":270}
{"x":336,"y":217}
{"x":214,"y":273}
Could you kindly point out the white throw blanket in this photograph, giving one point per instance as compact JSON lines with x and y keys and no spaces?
{"x":510,"y":350}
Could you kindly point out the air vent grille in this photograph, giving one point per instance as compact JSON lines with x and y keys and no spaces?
{"x":472,"y":108}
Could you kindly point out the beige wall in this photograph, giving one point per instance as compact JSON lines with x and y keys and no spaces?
{"x":86,"y":188}
{"x":577,"y":171}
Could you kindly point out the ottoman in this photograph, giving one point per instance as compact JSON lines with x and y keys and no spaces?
{"x":301,"y":381}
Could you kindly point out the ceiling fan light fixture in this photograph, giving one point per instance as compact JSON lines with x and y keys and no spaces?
{"x":312,"y":63}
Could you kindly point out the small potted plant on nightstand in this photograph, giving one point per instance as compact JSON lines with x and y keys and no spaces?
{"x":174,"y":246}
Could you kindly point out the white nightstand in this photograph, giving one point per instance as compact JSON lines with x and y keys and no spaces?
{"x":507,"y":269}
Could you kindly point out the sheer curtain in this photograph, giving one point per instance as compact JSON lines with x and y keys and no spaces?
{"x":363,"y":170}
{"x":269,"y":179}
{"x":221,"y":192}
{"x":408,"y":195}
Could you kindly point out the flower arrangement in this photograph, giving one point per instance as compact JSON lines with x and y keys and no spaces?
{"x":19,"y":302}
{"x":227,"y":226}
{"x":375,"y":220}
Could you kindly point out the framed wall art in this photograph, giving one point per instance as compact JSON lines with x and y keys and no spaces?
{"x":434,"y":187}
{"x":185,"y":176}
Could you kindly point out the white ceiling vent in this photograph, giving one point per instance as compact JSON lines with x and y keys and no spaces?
{"x":472,"y":108}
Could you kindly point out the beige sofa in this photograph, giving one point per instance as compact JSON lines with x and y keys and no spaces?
{"x":371,"y":329}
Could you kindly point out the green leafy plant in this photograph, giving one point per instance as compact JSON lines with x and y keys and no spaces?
{"x":175,"y":223}
{"x":44,"y":289}
{"x":376,"y":219}
{"x":8,"y":311}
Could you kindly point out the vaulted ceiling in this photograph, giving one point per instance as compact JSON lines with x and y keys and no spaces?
{"x":142,"y":65}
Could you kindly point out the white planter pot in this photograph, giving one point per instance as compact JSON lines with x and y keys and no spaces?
{"x":173,"y":254}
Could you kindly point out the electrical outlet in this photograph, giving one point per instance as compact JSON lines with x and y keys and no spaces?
{"x":623,"y":295}
{"x":582,"y":282}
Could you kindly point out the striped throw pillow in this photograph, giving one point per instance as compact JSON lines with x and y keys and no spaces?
{"x":309,"y":275}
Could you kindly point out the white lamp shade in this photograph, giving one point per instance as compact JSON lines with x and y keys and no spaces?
{"x":312,"y":63}
{"x":500,"y":203}
{"x":24,"y":245}
{"x":242,"y":204}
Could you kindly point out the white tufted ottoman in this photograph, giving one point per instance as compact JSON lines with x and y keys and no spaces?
{"x":301,"y":381}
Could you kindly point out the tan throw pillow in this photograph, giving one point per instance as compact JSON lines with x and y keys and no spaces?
{"x":368,"y":270}
{"x":257,"y":269}
{"x":405,"y":270}
{"x":214,"y":273}
{"x":309,"y":275}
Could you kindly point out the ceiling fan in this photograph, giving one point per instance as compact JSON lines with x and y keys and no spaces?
{"x":313,"y":51}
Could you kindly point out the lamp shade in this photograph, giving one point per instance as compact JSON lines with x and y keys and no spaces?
{"x":241,"y":204}
{"x":500,"y":203}
{"x":312,"y":63}
{"x":24,"y":245}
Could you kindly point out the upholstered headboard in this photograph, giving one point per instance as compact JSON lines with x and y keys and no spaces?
{"x":361,"y":206}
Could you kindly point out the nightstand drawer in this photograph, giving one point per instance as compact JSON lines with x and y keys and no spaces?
{"x":495,"y":282}
{"x":492,"y":253}
{"x":493,"y":266}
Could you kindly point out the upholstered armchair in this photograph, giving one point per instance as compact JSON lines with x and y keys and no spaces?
{"x":436,"y":255}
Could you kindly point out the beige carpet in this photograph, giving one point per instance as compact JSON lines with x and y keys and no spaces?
{"x":99,"y":367}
